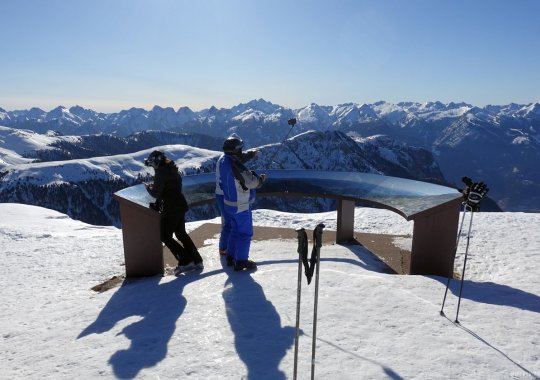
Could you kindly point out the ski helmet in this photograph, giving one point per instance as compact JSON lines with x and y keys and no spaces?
{"x":155,"y":159}
{"x":233,"y":144}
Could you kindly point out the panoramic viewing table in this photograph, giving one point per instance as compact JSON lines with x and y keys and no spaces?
{"x":434,"y":209}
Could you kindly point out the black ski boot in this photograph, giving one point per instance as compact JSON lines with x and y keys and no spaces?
{"x":244,"y":264}
{"x":230,"y":261}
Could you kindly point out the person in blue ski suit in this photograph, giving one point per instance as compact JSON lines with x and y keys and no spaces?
{"x":238,"y":185}
{"x":225,"y":220}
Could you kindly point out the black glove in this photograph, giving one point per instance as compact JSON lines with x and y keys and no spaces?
{"x":251,"y":153}
{"x":474,"y":195}
{"x":155,"y":206}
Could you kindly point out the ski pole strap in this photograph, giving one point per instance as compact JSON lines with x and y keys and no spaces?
{"x":303,"y":250}
{"x":317,"y":235}
{"x":317,"y":244}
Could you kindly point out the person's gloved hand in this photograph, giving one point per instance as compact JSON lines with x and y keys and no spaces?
{"x":248,"y":155}
{"x":262,"y":178}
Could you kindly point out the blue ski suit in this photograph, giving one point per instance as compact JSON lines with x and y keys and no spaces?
{"x":225,"y":220}
{"x":238,"y":185}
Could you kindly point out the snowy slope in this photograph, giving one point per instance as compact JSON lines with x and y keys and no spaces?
{"x":219,"y":324}
{"x":125,"y":165}
{"x":17,"y":145}
{"x":24,"y":142}
{"x":9,"y":157}
{"x":83,"y":188}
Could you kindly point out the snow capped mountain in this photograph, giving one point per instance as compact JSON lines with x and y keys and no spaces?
{"x":499,"y":151}
{"x":392,"y":113}
{"x":163,"y":117}
{"x":530,"y":111}
{"x":328,"y":150}
{"x":459,"y":135}
{"x":83,"y":188}
{"x":350,"y":113}
{"x":259,"y":111}
{"x":86,"y":115}
{"x":260,"y":105}
{"x":336,"y":151}
{"x":124,"y":166}
{"x":401,"y":159}
{"x":9,"y":157}
{"x":21,"y":145}
{"x":253,"y":114}
{"x":315,"y":115}
{"x":60,"y":113}
{"x":405,"y":113}
{"x":3,"y":115}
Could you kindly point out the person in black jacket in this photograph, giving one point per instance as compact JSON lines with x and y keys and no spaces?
{"x":167,"y":189}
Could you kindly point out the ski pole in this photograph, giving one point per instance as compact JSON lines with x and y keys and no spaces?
{"x":302,"y":246}
{"x":464,"y":265}
{"x":465,"y":209}
{"x":473,"y":193}
{"x":292,"y":123}
{"x":317,"y":237}
{"x":476,"y":191}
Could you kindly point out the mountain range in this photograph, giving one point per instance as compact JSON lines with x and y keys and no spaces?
{"x":83,"y":187}
{"x":499,"y":145}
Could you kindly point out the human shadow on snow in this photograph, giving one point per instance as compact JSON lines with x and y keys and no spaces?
{"x":261,"y":342}
{"x":366,"y":260}
{"x":159,"y":305}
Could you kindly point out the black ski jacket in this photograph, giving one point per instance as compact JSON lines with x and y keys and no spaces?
{"x":167,"y":189}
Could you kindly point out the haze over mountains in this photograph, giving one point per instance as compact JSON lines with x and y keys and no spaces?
{"x":430,"y":141}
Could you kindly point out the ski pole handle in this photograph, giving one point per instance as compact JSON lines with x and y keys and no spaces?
{"x":317,"y":233}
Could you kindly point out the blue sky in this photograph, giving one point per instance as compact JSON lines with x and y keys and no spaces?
{"x":110,"y":55}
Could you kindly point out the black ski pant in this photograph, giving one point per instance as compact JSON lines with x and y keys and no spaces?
{"x":174,"y":223}
{"x":168,"y":225}
{"x":192,"y":253}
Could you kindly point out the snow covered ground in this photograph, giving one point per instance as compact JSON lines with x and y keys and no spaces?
{"x":219,"y":324}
